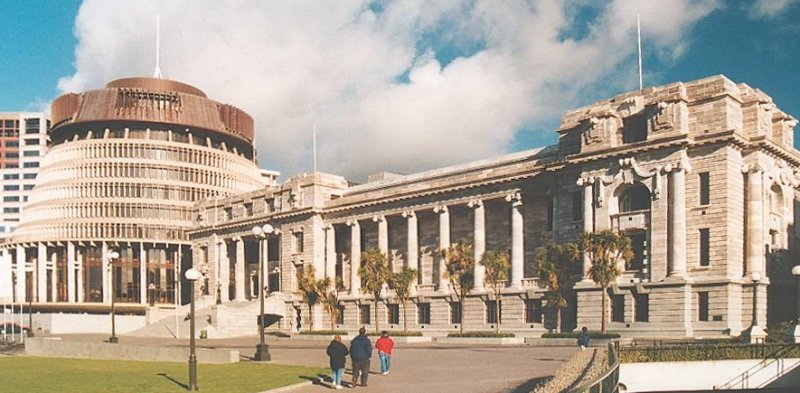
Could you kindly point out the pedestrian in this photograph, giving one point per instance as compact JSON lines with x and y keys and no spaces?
{"x":583,"y":339}
{"x":384,"y":346}
{"x":360,"y":353}
{"x":337,"y":353}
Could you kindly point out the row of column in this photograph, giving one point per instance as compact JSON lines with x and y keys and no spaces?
{"x":479,"y":242}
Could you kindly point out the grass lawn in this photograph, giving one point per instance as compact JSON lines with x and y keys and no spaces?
{"x":32,"y":374}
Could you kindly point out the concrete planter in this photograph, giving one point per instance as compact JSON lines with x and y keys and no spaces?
{"x":481,"y":340}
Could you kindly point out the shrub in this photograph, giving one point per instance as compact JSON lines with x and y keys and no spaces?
{"x":323,"y":333}
{"x":277,"y":334}
{"x":576,"y":334}
{"x":481,"y":334}
{"x":779,"y":333}
{"x":399,"y":334}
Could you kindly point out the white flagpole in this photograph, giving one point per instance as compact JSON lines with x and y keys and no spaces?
{"x":639,"y":41}
{"x":314,"y":147}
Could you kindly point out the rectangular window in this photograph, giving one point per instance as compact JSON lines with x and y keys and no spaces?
{"x":30,"y":153}
{"x":12,"y":143}
{"x":617,"y":308}
{"x":491,"y":305}
{"x":340,"y":317}
{"x":11,"y":199}
{"x":533,"y":311}
{"x":363,"y":314}
{"x":393,"y":314}
{"x":705,"y":247}
{"x":10,"y":210}
{"x":639,"y":248}
{"x":12,"y":154}
{"x":705,"y":188}
{"x":28,"y":187}
{"x":33,"y":164}
{"x":702,"y":306}
{"x":28,"y":175}
{"x":550,"y":214}
{"x":642,"y":304}
{"x":248,"y":209}
{"x":298,"y":242}
{"x":10,"y":176}
{"x":228,"y":213}
{"x":424,"y":313}
{"x":12,"y":165}
{"x":11,"y":187}
{"x":31,"y":142}
{"x":455,"y":312}
{"x":577,"y":206}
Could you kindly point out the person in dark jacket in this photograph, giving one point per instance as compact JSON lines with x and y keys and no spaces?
{"x":583,"y":339}
{"x":360,"y":353}
{"x":337,"y":352}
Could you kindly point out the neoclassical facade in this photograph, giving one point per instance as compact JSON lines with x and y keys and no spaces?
{"x":125,"y":165}
{"x":701,"y":175}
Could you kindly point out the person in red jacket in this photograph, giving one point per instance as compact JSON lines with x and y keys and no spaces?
{"x":384,"y":346}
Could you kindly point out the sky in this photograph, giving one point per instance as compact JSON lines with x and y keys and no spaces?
{"x":399,"y":86}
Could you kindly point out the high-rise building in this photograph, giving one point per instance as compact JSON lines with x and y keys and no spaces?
{"x":125,"y":166}
{"x":23,"y":143}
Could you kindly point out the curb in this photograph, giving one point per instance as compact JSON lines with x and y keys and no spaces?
{"x":289,"y":388}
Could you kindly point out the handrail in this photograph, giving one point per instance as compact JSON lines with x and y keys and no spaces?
{"x":743,"y":379}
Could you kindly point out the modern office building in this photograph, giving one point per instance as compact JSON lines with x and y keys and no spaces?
{"x":125,"y":165}
{"x":23,"y":143}
{"x":702,"y":176}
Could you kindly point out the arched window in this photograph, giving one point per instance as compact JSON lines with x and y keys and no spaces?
{"x":636,"y":197}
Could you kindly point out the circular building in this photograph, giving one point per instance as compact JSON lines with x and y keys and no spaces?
{"x":125,"y":165}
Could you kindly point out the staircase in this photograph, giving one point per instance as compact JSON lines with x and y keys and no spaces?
{"x":765,"y":372}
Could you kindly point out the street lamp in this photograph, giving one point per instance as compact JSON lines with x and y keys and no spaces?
{"x":112,"y":255}
{"x":796,"y":333}
{"x":192,"y":275}
{"x":755,"y":334}
{"x":262,"y":350}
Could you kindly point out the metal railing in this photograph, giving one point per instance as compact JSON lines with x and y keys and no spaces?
{"x":742,"y":381}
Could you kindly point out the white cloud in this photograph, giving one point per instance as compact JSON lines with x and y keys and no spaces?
{"x":341,"y":66}
{"x":771,"y":8}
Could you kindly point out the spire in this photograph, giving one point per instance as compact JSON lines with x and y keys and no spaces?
{"x":157,"y":72}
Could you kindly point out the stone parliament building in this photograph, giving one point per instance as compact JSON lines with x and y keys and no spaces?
{"x":701,"y":175}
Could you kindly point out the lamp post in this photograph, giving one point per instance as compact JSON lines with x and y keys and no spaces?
{"x":796,"y":332}
{"x":30,"y":318}
{"x":192,"y":275}
{"x":112,"y":255}
{"x":755,"y":334}
{"x":262,"y":350}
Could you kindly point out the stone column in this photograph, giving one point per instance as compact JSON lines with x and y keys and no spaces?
{"x":383,"y":235}
{"x":330,"y":253}
{"x":588,"y":220}
{"x":224,"y":270}
{"x":677,"y":222}
{"x":517,"y":246}
{"x":412,"y":246}
{"x":71,"y":272}
{"x":355,"y":256}
{"x":41,"y":268}
{"x":755,"y":219}
{"x":81,"y":289}
{"x":51,"y":260}
{"x":239,"y":268}
{"x":479,"y":241}
{"x":444,"y":243}
{"x":143,"y":275}
{"x":21,"y":274}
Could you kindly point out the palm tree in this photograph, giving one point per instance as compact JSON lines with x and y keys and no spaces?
{"x":401,"y":282}
{"x":374,"y":272}
{"x":607,"y":250}
{"x":311,"y":288}
{"x":459,"y":263}
{"x":496,"y":265}
{"x":330,"y":302}
{"x":557,"y":269}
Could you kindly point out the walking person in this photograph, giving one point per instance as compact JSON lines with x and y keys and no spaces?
{"x":360,"y":353}
{"x":583,"y":339}
{"x":337,"y":353}
{"x":384,"y":345}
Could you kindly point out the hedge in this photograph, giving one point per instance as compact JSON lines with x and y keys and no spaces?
{"x":323,"y":333}
{"x":481,"y":334}
{"x":577,"y":334}
{"x":399,"y":334}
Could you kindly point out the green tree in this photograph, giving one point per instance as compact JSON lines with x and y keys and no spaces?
{"x":459,"y":263}
{"x":311,"y":288}
{"x":496,"y":266}
{"x":330,"y":302}
{"x":401,"y":283}
{"x":557,"y":262}
{"x":607,"y":250}
{"x":374,"y":272}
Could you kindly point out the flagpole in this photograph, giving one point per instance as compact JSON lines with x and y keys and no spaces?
{"x":639,"y":42}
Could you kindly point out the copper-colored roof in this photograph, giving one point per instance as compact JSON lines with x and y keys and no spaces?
{"x":151,"y":100}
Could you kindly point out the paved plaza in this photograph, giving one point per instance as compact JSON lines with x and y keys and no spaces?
{"x":415,"y":367}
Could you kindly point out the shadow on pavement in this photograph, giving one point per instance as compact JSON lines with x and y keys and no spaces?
{"x":173,"y":380}
{"x":529,"y":385}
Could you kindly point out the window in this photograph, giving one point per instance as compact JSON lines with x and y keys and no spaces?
{"x":705,"y":246}
{"x":363,"y":311}
{"x":642,"y":304}
{"x":12,"y":165}
{"x":10,"y":176}
{"x":550,"y":214}
{"x":617,"y":308}
{"x":27,"y":187}
{"x":702,"y":306}
{"x":705,"y":188}
{"x":455,"y":312}
{"x":28,"y":175}
{"x":533,"y":311}
{"x":11,"y":199}
{"x":424,"y":313}
{"x":33,"y":164}
{"x":577,"y":206}
{"x":10,"y":210}
{"x":12,"y":154}
{"x":12,"y":143}
{"x":340,"y":317}
{"x":634,"y":198}
{"x":639,"y":248}
{"x":228,"y":213}
{"x":248,"y":209}
{"x":31,"y":153}
{"x":31,"y":142}
{"x":491,"y":305}
{"x":393,"y":314}
{"x":298,"y":242}
{"x":11,"y":187}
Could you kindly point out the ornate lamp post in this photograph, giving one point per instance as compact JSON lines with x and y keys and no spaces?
{"x":796,"y":332}
{"x":755,"y":334}
{"x":262,"y":349}
{"x":111,"y":256}
{"x":192,"y":275}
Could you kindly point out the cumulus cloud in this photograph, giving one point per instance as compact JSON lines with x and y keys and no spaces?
{"x":390,"y":85}
{"x":771,"y":8}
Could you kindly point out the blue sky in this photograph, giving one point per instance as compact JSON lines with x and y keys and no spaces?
{"x":403,"y":78}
